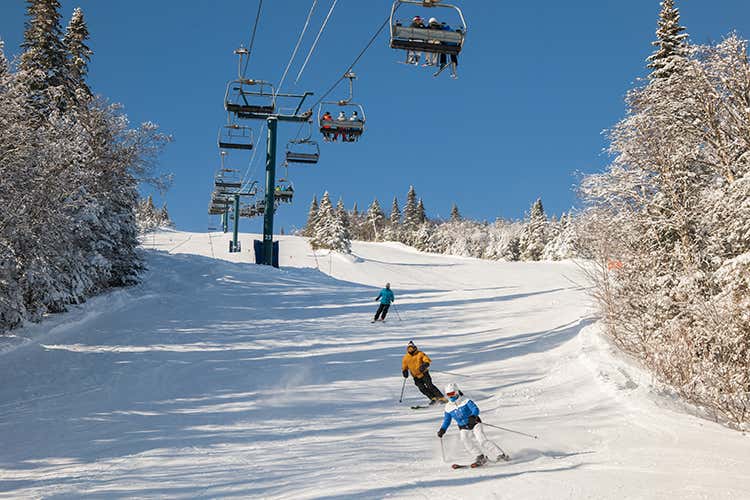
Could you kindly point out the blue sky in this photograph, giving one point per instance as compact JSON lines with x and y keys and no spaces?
{"x":538,"y":83}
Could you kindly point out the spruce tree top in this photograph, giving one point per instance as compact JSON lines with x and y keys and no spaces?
{"x":670,"y":41}
{"x":455,"y":215}
{"x":42,"y":42}
{"x":79,"y":53}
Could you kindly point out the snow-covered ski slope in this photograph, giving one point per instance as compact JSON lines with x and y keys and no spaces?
{"x":219,"y":379}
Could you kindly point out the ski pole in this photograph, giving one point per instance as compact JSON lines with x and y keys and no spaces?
{"x":397,"y":314}
{"x":442,"y":448}
{"x":402,"y":391}
{"x":510,"y":430}
{"x":450,"y":373}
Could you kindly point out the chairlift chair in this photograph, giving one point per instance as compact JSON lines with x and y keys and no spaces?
{"x":233,"y":136}
{"x":242,"y":99}
{"x":227,"y":179}
{"x":348,"y":128}
{"x":284,"y":191}
{"x":404,"y":37}
{"x":302,"y":151}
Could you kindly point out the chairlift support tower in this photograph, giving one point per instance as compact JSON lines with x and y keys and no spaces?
{"x":246,"y":103}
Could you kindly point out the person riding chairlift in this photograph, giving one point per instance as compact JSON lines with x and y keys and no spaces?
{"x":431,"y":58}
{"x":338,"y":130}
{"x":326,"y":125}
{"x":454,"y":57}
{"x":412,"y":57}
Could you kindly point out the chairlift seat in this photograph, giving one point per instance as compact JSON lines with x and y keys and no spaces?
{"x":235,"y":136}
{"x":418,"y":46}
{"x":427,"y":35}
{"x":350,"y":126}
{"x":295,"y":157}
{"x":225,"y":183}
{"x":250,"y":109}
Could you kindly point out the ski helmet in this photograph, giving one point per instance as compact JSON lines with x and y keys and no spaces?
{"x":411,"y":347}
{"x":387,"y":285}
{"x":452,"y":391}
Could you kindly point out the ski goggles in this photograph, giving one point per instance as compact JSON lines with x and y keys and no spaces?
{"x":451,"y":394}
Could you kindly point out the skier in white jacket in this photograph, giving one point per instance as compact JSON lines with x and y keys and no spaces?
{"x":466,"y":414}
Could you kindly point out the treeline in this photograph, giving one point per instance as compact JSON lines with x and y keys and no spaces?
{"x":69,"y":168}
{"x":669,"y":221}
{"x":149,"y":218}
{"x":536,"y":238}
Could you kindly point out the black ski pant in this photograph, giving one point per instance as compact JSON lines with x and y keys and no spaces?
{"x":382,"y":311}
{"x":426,"y":387}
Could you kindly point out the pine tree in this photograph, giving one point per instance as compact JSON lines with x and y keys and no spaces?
{"x":422,"y":214}
{"x":43,"y":62}
{"x":455,"y":215}
{"x":411,"y":212}
{"x":4,"y":66}
{"x":344,"y":219}
{"x":393,"y":230}
{"x":355,"y":210}
{"x":534,"y":237}
{"x":670,"y":42}
{"x":312,"y":218}
{"x":375,"y":220}
{"x":164,"y":219}
{"x":79,"y":54}
{"x":330,"y":231}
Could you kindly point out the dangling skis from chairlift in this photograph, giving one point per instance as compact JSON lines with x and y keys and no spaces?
{"x":437,"y":40}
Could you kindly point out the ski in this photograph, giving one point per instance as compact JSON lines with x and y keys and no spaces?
{"x":419,"y":407}
{"x":467,"y":466}
{"x":474,"y":465}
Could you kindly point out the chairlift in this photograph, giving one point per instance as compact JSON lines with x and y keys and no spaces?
{"x":248,"y":211}
{"x":260,"y":207}
{"x":349,"y":123}
{"x":303,"y":150}
{"x":227,"y":180}
{"x":233,"y":136}
{"x":284,"y":191}
{"x":250,"y":99}
{"x":415,"y":39}
{"x":306,"y":151}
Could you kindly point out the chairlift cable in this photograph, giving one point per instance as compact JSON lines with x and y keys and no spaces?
{"x":356,"y":60}
{"x":294,"y":52}
{"x":252,"y":38}
{"x":315,"y":43}
{"x":250,"y":172}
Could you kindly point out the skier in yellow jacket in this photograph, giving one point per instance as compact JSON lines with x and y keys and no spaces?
{"x":418,"y":363}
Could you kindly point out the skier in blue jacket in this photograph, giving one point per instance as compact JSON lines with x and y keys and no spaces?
{"x":385,"y":297}
{"x":466,"y":414}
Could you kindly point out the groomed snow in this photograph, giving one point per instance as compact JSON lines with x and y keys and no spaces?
{"x":219,"y":379}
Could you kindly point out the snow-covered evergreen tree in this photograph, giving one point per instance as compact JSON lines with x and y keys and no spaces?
{"x":411,"y":217}
{"x":312,"y":218}
{"x":330,"y":231}
{"x":343,"y":217}
{"x":670,"y":42}
{"x":455,"y":214}
{"x":534,"y":238}
{"x":421,"y":213}
{"x":4,"y":66}
{"x":375,"y":221}
{"x":43,"y":64}
{"x":79,"y":54}
{"x":393,"y":230}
